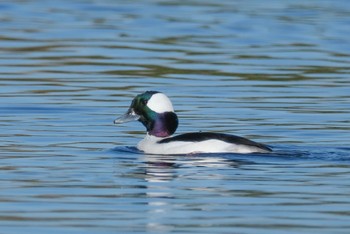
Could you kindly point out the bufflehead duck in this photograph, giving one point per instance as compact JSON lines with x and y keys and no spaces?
{"x":155,"y":111}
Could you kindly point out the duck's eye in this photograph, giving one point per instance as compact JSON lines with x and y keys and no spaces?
{"x":144,"y":102}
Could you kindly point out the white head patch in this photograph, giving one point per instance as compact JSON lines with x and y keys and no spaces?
{"x":160,"y":103}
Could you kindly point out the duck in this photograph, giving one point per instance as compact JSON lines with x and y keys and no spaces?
{"x":155,"y":111}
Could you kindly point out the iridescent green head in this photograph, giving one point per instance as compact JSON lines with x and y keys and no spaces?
{"x":155,"y":111}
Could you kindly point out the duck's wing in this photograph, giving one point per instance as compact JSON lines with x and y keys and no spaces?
{"x":204,"y":136}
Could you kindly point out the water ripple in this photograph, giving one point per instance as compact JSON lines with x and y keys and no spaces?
{"x":275,"y":72}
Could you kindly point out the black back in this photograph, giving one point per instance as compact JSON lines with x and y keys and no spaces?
{"x":203,"y":136}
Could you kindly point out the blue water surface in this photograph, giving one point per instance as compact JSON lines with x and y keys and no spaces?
{"x":276,"y":72}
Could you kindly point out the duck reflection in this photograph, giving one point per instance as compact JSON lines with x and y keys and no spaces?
{"x":172,"y":179}
{"x":163,"y":168}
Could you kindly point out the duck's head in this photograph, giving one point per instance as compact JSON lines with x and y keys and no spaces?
{"x":155,"y":111}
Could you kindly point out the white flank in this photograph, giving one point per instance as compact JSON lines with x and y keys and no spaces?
{"x":150,"y":145}
{"x":160,"y":103}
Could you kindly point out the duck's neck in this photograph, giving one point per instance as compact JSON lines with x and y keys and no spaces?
{"x":163,"y":125}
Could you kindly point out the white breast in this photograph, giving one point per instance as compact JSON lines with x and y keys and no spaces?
{"x":149,"y":145}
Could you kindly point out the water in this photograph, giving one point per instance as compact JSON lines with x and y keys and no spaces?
{"x":276,"y":72}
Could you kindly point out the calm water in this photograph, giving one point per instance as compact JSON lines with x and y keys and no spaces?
{"x":274,"y":71}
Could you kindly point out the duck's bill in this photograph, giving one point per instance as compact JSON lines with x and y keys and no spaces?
{"x":127,"y":117}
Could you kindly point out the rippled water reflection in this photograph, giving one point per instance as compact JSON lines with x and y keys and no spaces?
{"x":276,"y":72}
